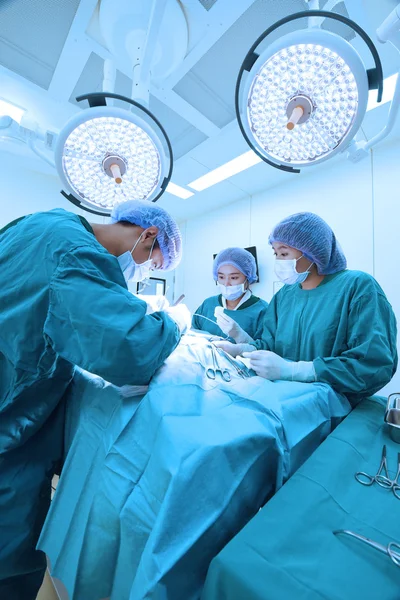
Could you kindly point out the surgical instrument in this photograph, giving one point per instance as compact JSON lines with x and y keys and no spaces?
{"x":389,"y":550}
{"x":181,"y":297}
{"x":237,"y":365}
{"x":382,"y":480}
{"x":211,"y":321}
{"x":393,"y":484}
{"x":213,"y":371}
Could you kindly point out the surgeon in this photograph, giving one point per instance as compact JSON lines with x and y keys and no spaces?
{"x":235,"y":313}
{"x":327,"y":323}
{"x":65,"y":303}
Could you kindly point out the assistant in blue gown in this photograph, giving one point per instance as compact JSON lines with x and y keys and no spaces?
{"x":234,"y":270}
{"x":327,"y":324}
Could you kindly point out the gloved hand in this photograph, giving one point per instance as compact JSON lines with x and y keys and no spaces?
{"x":234,"y":349}
{"x":154,"y":303}
{"x":181,"y":315}
{"x":271,"y":366}
{"x":231,"y":328}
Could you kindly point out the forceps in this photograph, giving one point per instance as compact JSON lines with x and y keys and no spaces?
{"x":213,"y":371}
{"x":234,"y":364}
{"x":389,"y":550}
{"x":382,"y":480}
{"x":393,"y":484}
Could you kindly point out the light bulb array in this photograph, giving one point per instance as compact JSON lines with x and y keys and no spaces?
{"x":317,"y":73}
{"x":91,"y":142}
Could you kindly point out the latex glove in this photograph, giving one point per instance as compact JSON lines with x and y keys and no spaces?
{"x":154,"y":303}
{"x":271,"y":366}
{"x":181,"y":315}
{"x":231,"y":328}
{"x":234,"y":349}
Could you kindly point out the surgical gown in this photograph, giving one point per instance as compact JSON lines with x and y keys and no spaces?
{"x":249,"y":315}
{"x":64,"y":302}
{"x":346,"y":326}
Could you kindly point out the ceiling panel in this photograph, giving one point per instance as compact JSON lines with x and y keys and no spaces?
{"x":207,"y":4}
{"x":32,"y":35}
{"x":211,"y":199}
{"x":91,"y":78}
{"x":335,"y":26}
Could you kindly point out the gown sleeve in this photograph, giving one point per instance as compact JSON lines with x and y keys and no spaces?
{"x":370,"y":360}
{"x":96,"y":324}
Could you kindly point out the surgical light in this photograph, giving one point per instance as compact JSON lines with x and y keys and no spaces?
{"x":106,"y":155}
{"x":305,"y":95}
{"x":389,"y":87}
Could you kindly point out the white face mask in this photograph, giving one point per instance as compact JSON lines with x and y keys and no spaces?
{"x":232,"y":292}
{"x":286,"y":271}
{"x":131,"y":270}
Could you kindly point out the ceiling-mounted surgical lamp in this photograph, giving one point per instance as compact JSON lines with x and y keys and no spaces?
{"x":306,"y":94}
{"x":106,"y":155}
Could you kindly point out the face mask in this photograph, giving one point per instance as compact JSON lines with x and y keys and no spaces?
{"x":286,"y":271}
{"x":232,"y":292}
{"x":142,"y":271}
{"x":131,"y":270}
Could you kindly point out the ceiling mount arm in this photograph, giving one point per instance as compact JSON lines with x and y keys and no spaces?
{"x":142,"y":53}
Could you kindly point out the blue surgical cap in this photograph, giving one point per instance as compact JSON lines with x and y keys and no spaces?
{"x":310,"y":234}
{"x":239,"y":258}
{"x":146,"y":214}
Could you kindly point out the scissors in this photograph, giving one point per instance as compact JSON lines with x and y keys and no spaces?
{"x":390,"y":550}
{"x":213,"y":371}
{"x":382,"y":480}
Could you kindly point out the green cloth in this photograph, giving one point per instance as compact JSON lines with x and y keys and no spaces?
{"x":11,"y":224}
{"x":64,"y":302}
{"x":346,"y":326}
{"x":249,"y":315}
{"x":288,"y":551}
{"x":84,"y":222}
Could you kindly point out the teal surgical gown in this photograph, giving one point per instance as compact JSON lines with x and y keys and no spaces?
{"x":249,"y":315}
{"x":346,"y":326}
{"x":64,"y":302}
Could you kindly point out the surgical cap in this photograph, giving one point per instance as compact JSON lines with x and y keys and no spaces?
{"x":146,"y":214}
{"x":310,"y":234}
{"x":239,"y":258}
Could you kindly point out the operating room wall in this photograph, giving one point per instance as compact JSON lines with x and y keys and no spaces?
{"x":360,"y":201}
{"x":386,"y":205}
{"x":24,"y":190}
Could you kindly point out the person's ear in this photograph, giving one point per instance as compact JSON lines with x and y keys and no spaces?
{"x":150,"y":233}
